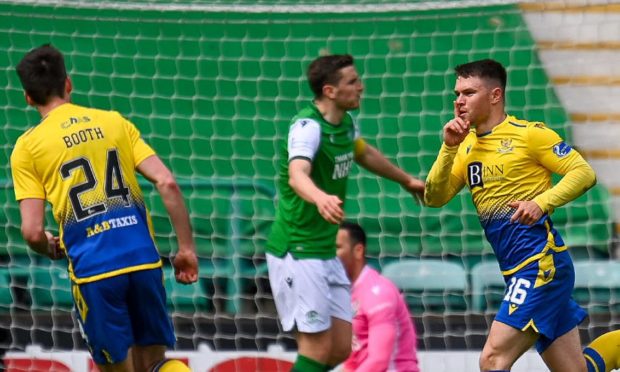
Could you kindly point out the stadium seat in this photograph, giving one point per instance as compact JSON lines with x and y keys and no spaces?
{"x":14,"y":280}
{"x":184,"y":297}
{"x":430,"y":285}
{"x":50,"y":287}
{"x":597,"y":285}
{"x":6,"y":298}
{"x":231,"y":219}
{"x":488,"y":286}
{"x":586,"y":224}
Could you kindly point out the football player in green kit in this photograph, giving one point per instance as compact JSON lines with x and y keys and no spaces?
{"x":309,"y":284}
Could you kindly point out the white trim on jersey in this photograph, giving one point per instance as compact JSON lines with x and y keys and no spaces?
{"x":304,"y":138}
{"x":357,"y":133}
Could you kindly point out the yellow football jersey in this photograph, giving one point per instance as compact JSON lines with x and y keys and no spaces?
{"x":513,"y":162}
{"x":82,"y":161}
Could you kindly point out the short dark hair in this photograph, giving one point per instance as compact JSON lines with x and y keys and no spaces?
{"x":356,"y":233}
{"x":326,"y":70}
{"x":42,"y":74}
{"x":484,"y":68}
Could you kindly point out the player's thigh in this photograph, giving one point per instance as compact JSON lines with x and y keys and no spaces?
{"x":151,"y":323}
{"x":342,"y":335}
{"x":564,"y":354}
{"x":316,"y":345}
{"x":339,"y":291}
{"x":301,"y":292}
{"x":104,"y":318}
{"x":281,"y":283}
{"x":331,"y":346}
{"x":504,"y":345}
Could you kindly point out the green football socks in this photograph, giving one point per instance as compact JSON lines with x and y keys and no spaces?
{"x":305,"y":364}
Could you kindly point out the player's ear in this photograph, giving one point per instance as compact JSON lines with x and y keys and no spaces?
{"x":359,"y":251}
{"x":29,"y":100}
{"x":497,"y":95}
{"x":329,"y":91}
{"x":68,"y":86}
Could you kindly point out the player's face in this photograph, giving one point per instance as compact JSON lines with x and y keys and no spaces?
{"x":348,"y":91}
{"x":473,"y":99}
{"x":344,"y":250}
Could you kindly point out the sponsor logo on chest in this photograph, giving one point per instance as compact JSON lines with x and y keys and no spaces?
{"x":342,"y":166}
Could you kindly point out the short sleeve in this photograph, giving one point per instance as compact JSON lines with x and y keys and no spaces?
{"x":26,"y":182}
{"x":141,"y":150}
{"x":304,"y":138}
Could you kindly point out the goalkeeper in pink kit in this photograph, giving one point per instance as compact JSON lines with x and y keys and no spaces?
{"x":384,"y":338}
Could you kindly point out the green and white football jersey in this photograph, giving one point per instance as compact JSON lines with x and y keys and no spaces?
{"x":298,"y":226}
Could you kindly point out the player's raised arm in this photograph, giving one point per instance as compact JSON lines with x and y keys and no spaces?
{"x":441,"y":184}
{"x":455,"y":130}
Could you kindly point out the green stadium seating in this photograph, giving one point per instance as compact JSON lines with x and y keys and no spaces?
{"x":185,"y":297}
{"x":487,"y":285}
{"x":14,"y":280}
{"x":213,"y":99}
{"x":6,"y":297}
{"x":586,"y":223}
{"x":597,"y":286}
{"x":231,"y":219}
{"x":50,"y":287}
{"x":430,"y":285}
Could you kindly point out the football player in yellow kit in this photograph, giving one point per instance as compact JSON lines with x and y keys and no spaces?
{"x":83,"y":161}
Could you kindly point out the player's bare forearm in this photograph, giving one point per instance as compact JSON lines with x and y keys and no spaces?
{"x":37,"y":242}
{"x":45,"y":244}
{"x":33,"y":221}
{"x":175,"y":206}
{"x":185,"y":261}
{"x":156,"y":171}
{"x":329,"y":206}
{"x":374,"y":161}
{"x":300,"y":181}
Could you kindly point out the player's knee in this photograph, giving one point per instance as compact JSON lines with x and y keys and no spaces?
{"x":491,"y":360}
{"x":170,"y":365}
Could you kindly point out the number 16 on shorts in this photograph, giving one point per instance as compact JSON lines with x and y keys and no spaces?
{"x":517,"y":290}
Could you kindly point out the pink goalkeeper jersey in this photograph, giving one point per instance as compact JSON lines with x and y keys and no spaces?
{"x":383,"y":335}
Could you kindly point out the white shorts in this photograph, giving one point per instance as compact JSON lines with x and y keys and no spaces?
{"x":309,"y":292}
